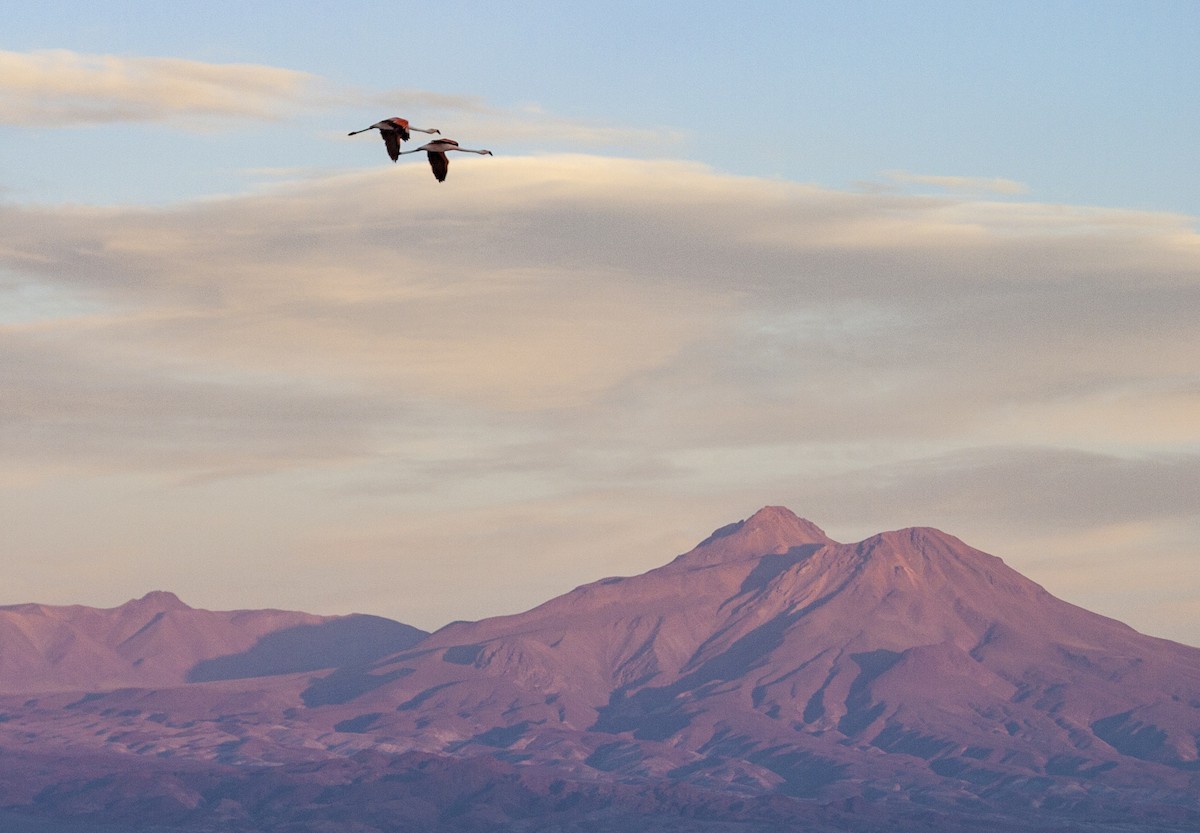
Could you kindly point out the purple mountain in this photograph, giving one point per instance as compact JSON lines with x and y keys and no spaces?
{"x":771,"y":677}
{"x":158,"y":641}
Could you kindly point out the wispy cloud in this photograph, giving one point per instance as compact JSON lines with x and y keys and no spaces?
{"x":961,"y":184}
{"x":749,"y":309}
{"x":62,"y":89}
{"x":57,"y":87}
{"x":641,"y":344}
{"x":528,"y":124}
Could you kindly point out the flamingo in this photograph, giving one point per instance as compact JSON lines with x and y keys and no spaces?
{"x":394,"y":131}
{"x":436,"y":151}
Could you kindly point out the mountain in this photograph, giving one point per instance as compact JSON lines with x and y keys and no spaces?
{"x":769,"y":679}
{"x":774,"y":657}
{"x":158,"y":641}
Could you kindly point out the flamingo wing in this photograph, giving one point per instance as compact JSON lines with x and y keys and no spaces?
{"x":392,"y":140}
{"x":440,"y":164}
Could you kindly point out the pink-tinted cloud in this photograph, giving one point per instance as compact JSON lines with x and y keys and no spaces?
{"x":58,"y":87}
{"x":641,"y":345}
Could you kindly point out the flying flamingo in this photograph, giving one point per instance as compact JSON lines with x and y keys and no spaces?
{"x":436,"y":150}
{"x":394,"y":131}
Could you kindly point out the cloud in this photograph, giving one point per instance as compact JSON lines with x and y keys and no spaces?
{"x":961,"y":184}
{"x":650,"y":345}
{"x":1050,"y":489}
{"x":92,"y":410}
{"x":528,"y":125}
{"x":751,"y":311}
{"x":57,"y":87}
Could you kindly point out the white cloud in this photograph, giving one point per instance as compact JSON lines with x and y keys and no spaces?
{"x":61,"y":88}
{"x":528,"y":126}
{"x":58,"y":88}
{"x":961,"y":184}
{"x":750,"y":310}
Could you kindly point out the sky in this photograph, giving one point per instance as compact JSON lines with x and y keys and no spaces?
{"x":888,"y":265}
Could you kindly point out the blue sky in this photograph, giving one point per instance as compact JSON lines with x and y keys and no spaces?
{"x":886,"y":264}
{"x":1084,"y":102}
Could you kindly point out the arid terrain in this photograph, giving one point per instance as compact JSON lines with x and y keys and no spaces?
{"x":771,"y":679}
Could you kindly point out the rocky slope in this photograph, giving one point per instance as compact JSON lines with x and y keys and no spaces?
{"x":158,"y":641}
{"x":905,"y":674}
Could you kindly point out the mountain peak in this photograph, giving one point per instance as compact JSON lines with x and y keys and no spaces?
{"x":770,"y":530}
{"x":158,"y":600}
{"x":780,"y":522}
{"x":781,"y":516}
{"x":886,"y":683}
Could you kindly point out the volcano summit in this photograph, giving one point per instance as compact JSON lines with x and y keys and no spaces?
{"x":769,"y":679}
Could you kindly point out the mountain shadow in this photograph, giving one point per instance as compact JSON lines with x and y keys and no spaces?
{"x":355,"y":640}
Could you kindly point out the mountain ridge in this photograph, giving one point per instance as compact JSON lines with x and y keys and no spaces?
{"x":154,"y":641}
{"x":768,"y":661}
